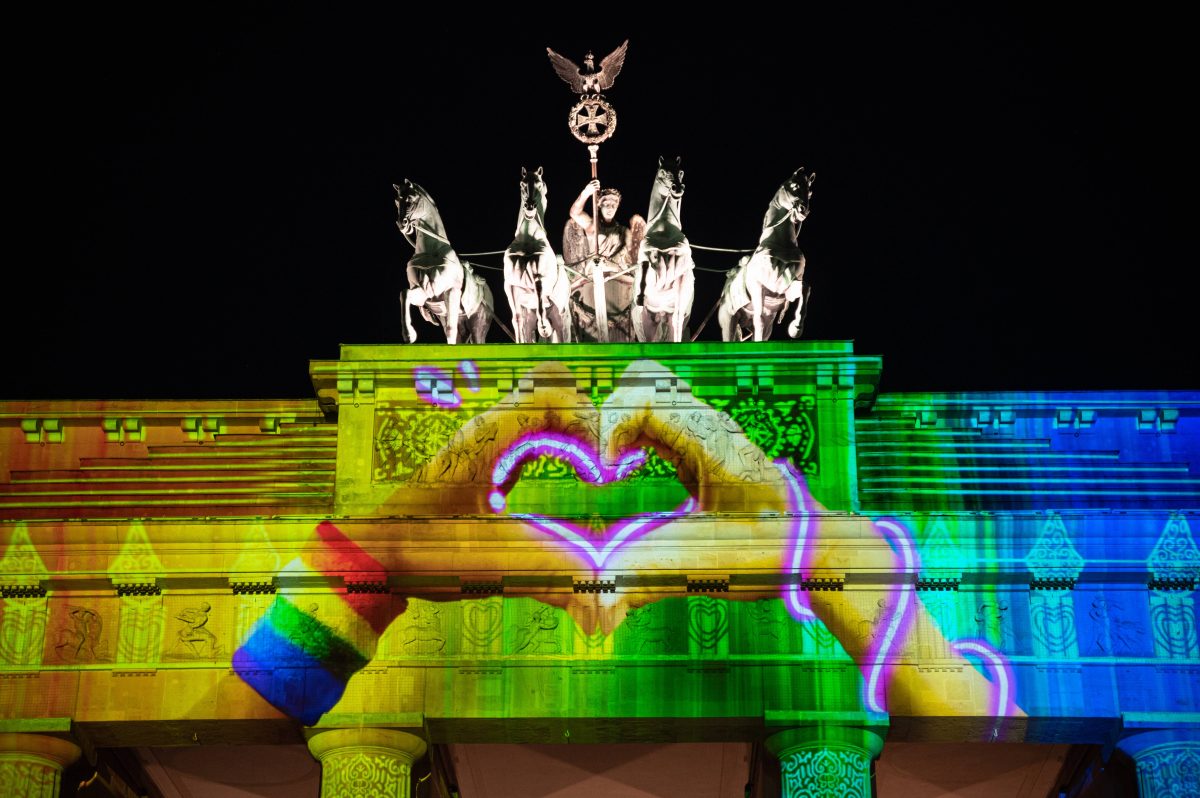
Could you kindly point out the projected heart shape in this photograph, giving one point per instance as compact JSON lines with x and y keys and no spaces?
{"x":591,"y":470}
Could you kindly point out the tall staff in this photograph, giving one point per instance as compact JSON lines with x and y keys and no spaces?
{"x":592,"y":121}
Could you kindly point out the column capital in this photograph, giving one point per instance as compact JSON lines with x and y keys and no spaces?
{"x":863,"y":740}
{"x":31,"y":765}
{"x":54,"y":751}
{"x":1168,"y":762}
{"x":397,"y":743}
{"x":364,"y":762}
{"x":823,"y":760}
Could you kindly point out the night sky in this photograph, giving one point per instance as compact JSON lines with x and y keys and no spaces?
{"x":204,"y":203}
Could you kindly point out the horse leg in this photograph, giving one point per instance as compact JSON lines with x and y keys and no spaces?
{"x":767,"y":321}
{"x":683,"y":304}
{"x":725,"y":320}
{"x":558,"y":330}
{"x":544,"y":330}
{"x":644,"y":328}
{"x":565,"y":322}
{"x":453,"y":314}
{"x":408,"y":333}
{"x":477,"y":326}
{"x":795,"y":292}
{"x":796,"y":328}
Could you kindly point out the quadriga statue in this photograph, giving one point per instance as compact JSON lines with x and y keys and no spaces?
{"x":535,"y":282}
{"x":761,"y":289}
{"x":447,"y":291}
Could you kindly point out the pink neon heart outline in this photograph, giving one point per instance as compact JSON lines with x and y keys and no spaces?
{"x":588,"y":467}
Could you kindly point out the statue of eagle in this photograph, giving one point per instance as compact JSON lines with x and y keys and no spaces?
{"x":589,"y":80}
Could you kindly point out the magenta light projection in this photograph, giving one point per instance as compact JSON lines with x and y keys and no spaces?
{"x":896,"y":612}
{"x":799,"y":504}
{"x":590,"y":469}
{"x":998,"y":670}
{"x":435,"y":385}
{"x":899,"y":620}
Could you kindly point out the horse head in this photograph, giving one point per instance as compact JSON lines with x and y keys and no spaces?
{"x":412,"y":205}
{"x":533,"y":194}
{"x":795,"y":195}
{"x":669,"y":180}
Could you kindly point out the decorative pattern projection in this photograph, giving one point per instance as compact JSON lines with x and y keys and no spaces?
{"x":1175,"y":556}
{"x":1172,"y":770}
{"x":708,"y":626}
{"x":23,"y":631}
{"x":358,"y":774}
{"x":23,"y":624}
{"x":140,"y":629}
{"x":825,"y":772}
{"x":585,"y":463}
{"x":1054,"y":558}
{"x":28,"y":779}
{"x":482,"y":623}
{"x":782,"y":428}
{"x":1173,"y":616}
{"x":408,"y":438}
{"x":1173,"y":613}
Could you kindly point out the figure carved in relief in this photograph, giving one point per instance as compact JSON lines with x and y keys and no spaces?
{"x":1113,"y":633}
{"x":194,"y":638}
{"x":80,"y":641}
{"x":424,"y":630}
{"x":538,"y":632}
{"x":640,"y":621}
{"x":992,"y":621}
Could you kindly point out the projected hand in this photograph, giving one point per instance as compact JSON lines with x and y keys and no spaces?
{"x":736,"y":493}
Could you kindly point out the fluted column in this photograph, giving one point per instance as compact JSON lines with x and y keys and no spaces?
{"x":31,"y":765}
{"x":366,"y":763}
{"x":826,"y":761}
{"x":1168,"y":762}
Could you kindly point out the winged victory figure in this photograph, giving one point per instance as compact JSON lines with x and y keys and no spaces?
{"x":589,"y":80}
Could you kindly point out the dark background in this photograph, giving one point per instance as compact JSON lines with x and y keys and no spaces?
{"x":203,"y":198}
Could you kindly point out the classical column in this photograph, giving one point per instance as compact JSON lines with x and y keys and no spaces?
{"x":366,"y":763}
{"x":31,"y":765}
{"x":1168,"y":762}
{"x":826,"y":761}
